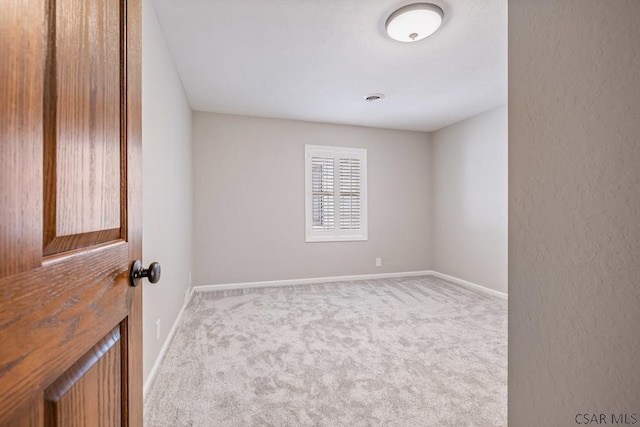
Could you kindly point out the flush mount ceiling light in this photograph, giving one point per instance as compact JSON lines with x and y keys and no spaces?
{"x":414,"y":22}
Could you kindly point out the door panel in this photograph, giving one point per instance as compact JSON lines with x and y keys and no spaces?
{"x":82,"y":146}
{"x":97,"y":374}
{"x":70,"y":214}
{"x":87,"y":52}
{"x":21,"y":92}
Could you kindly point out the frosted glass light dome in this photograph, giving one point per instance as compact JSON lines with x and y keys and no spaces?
{"x":414,"y":22}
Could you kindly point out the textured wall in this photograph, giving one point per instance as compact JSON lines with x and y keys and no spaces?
{"x":574,"y":210}
{"x":470,"y":199}
{"x":249,"y":201}
{"x":167,"y":201}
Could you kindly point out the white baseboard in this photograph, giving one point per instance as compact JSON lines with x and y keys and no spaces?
{"x":293,"y":282}
{"x":165,"y":347}
{"x":471,"y":285}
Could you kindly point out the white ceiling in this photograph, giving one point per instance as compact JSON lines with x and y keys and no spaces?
{"x":315,"y":60}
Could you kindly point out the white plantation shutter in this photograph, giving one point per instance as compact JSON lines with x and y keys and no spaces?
{"x":349,"y":183}
{"x":336,"y":207}
{"x":322,"y":183}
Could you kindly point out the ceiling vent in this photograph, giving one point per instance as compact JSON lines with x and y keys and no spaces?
{"x":373,"y":97}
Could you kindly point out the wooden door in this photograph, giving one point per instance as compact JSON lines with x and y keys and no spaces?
{"x":70,"y":213}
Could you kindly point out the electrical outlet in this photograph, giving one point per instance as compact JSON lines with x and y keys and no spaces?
{"x":378,"y":262}
{"x":158,"y":330}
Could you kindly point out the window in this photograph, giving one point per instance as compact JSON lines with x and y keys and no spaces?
{"x":335,"y":193}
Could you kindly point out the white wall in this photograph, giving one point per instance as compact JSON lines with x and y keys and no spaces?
{"x":574,"y":210}
{"x":470,"y":199}
{"x":249,"y":201}
{"x":167,"y":195}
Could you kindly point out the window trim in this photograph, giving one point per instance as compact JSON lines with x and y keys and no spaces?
{"x":335,"y":235}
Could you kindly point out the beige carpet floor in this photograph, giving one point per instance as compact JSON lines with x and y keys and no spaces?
{"x":415,"y":351}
